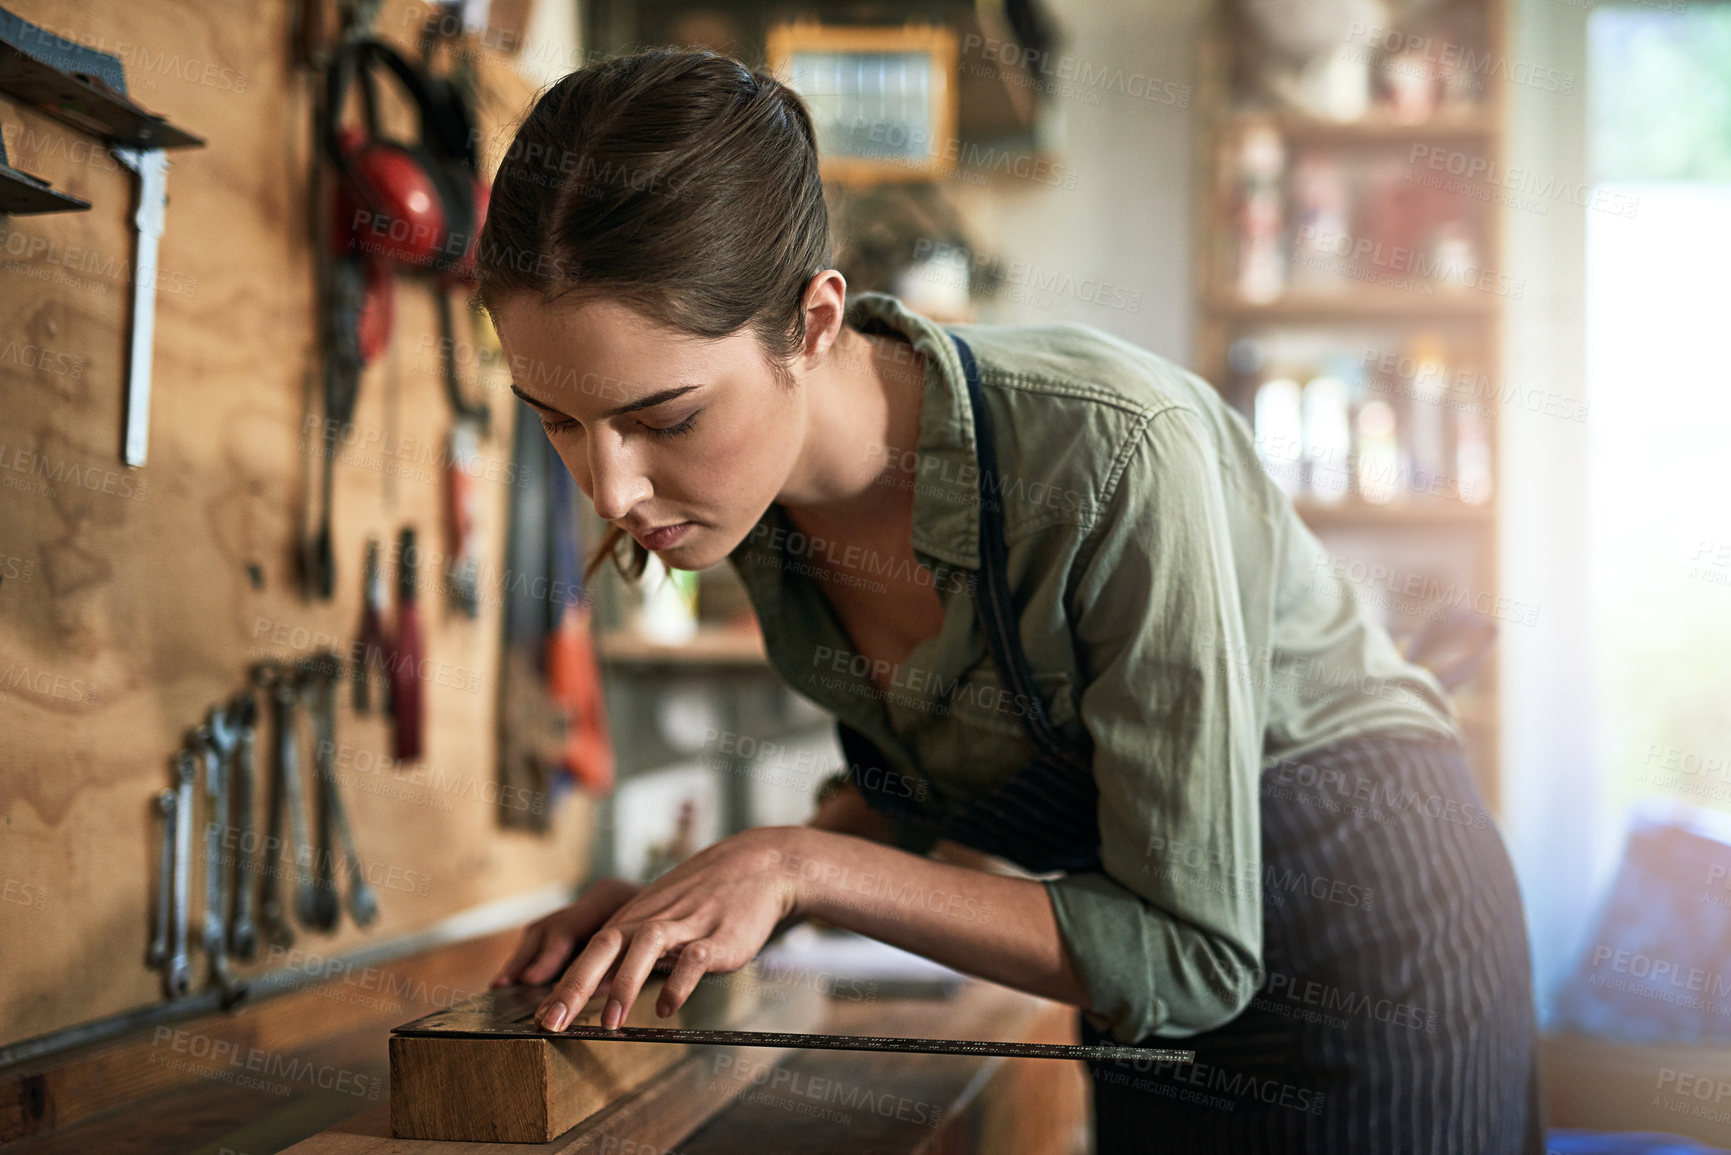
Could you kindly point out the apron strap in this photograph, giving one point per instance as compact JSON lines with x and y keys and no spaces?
{"x":997,"y":606}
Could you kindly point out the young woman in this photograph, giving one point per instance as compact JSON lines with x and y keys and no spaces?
{"x":1063,"y":618}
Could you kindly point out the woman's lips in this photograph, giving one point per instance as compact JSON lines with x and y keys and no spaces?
{"x":665,"y":537}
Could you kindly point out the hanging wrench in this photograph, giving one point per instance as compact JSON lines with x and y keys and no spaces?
{"x":283,"y":694}
{"x":218,"y":736}
{"x":363,"y":902}
{"x":164,"y":882}
{"x":178,"y":977}
{"x":273,"y":920}
{"x":242,"y":938}
{"x":312,"y":677}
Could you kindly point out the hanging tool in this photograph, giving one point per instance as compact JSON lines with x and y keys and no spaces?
{"x":87,"y":89}
{"x":371,"y":645}
{"x":363,"y":902}
{"x":164,"y":884}
{"x":406,"y":687}
{"x":346,"y":296}
{"x":573,"y":671}
{"x":394,"y":206}
{"x":242,"y":935}
{"x":272,"y":918}
{"x":179,"y":976}
{"x":531,"y":724}
{"x":217,"y":739}
{"x":151,"y":165}
{"x":311,"y":679}
{"x":467,"y":511}
{"x":283,"y":690}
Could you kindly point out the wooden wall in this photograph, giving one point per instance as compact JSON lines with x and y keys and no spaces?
{"x":126,"y":606}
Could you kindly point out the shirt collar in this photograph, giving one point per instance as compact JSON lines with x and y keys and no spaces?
{"x":946,"y":514}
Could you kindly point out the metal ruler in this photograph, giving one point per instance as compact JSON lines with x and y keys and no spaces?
{"x":509,"y":1014}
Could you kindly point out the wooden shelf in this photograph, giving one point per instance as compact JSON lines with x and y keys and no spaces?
{"x":1356,"y":305}
{"x":1373,"y":129}
{"x":1357,"y":512}
{"x":1305,"y":323}
{"x":712,"y":646}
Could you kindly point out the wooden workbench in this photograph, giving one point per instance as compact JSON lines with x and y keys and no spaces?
{"x":308,"y":1072}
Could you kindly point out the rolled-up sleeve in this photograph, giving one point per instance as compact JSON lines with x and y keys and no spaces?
{"x":1167,"y":934}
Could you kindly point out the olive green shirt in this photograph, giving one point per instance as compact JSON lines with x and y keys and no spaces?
{"x":1180,"y":620}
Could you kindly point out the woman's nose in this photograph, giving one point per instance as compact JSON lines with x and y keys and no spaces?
{"x":615,"y":485}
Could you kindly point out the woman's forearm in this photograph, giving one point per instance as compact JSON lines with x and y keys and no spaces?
{"x":990,"y":925}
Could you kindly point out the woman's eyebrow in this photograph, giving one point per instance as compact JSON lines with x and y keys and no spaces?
{"x":648,"y":402}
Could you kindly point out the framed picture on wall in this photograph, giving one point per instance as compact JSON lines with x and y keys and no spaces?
{"x":882,"y":99}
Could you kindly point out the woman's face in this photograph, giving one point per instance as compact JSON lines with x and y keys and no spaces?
{"x":661,"y":430}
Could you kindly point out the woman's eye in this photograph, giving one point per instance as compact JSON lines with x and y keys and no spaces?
{"x":673,"y":430}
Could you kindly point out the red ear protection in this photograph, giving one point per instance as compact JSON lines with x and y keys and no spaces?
{"x":417,"y":205}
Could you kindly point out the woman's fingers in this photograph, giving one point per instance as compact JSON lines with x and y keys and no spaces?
{"x":652,"y":940}
{"x":578,"y":983}
{"x":692,"y":965}
{"x":527,"y":946}
{"x":556,"y":945}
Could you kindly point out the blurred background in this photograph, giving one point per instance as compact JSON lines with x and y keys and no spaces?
{"x":1460,"y":264}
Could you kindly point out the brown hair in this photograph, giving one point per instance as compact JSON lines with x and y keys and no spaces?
{"x":679,"y":182}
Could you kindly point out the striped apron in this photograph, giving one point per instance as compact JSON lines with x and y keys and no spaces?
{"x":1395,"y":1014}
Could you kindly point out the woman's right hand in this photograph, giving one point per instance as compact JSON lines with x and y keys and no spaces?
{"x":549,"y":944}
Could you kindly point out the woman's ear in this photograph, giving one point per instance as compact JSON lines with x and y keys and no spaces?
{"x":824,"y":304}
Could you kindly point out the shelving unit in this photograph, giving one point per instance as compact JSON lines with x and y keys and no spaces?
{"x":1449,"y":540}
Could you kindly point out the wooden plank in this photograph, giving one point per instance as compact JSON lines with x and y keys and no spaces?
{"x":656,"y":1114}
{"x":520,"y":1090}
